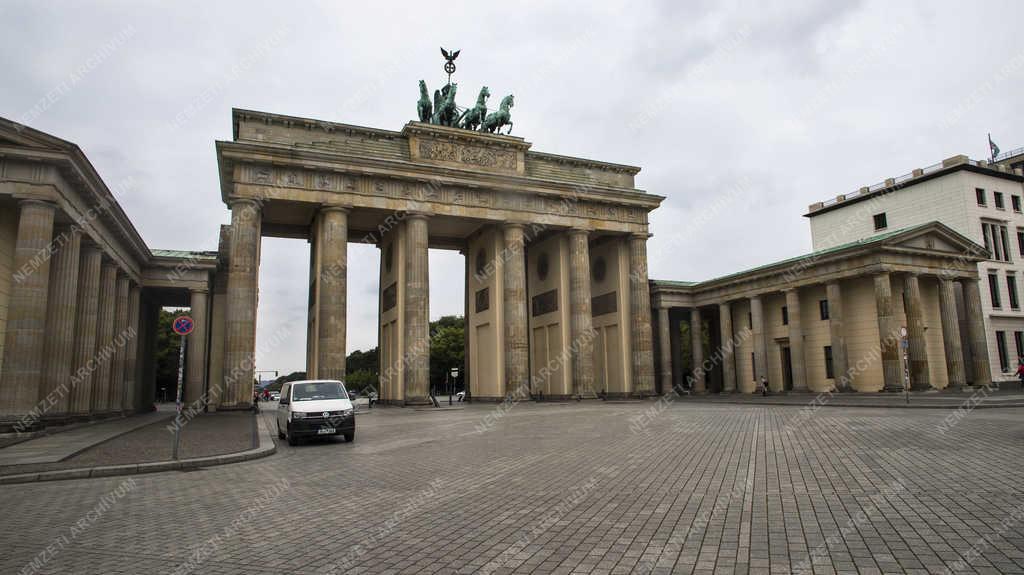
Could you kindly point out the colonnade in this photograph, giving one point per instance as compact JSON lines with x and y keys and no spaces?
{"x":956,"y":356}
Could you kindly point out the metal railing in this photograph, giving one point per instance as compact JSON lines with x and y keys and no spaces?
{"x":896,"y":182}
{"x":1010,"y":154}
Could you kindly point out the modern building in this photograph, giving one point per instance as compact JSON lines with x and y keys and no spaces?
{"x":558,"y":302}
{"x":980,"y":200}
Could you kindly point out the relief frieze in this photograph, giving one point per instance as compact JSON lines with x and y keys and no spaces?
{"x":432,"y":192}
{"x":467,"y":154}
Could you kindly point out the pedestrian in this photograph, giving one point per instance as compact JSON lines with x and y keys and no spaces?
{"x":764,"y":386}
{"x":1020,"y":371}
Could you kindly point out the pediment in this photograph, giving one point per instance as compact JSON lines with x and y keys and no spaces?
{"x":931,"y":242}
{"x":934,"y":237}
{"x":13,"y":134}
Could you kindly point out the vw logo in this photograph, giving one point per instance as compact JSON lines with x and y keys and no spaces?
{"x":327,"y":414}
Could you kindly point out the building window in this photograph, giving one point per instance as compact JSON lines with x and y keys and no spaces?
{"x":980,"y":195}
{"x":1006,"y":243}
{"x":750,"y":319}
{"x":993,"y":290}
{"x":1020,"y":242}
{"x":1004,"y":359}
{"x":753,"y":367}
{"x":828,"y":363}
{"x":785,"y":315}
{"x":996,"y":239}
{"x":997,"y":198}
{"x":823,"y":308}
{"x":1018,"y":340}
{"x":880,"y":223}
{"x":1015,"y":201}
{"x":1011,"y":288}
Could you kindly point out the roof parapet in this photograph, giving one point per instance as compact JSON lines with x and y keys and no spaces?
{"x":900,"y":181}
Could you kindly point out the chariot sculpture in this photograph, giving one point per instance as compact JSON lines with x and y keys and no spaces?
{"x":443,"y":111}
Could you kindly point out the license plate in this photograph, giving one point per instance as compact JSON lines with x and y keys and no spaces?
{"x":325,"y":430}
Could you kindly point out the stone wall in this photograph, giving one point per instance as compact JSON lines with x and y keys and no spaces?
{"x":486,"y":353}
{"x":8,"y":235}
{"x":549,"y":329}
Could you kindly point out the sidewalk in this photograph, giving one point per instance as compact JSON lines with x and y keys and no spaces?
{"x":136,"y":444}
{"x":60,"y":446}
{"x":978,"y":398}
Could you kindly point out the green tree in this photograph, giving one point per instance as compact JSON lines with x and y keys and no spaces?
{"x":447,"y":350}
{"x":362,"y":361}
{"x":168,"y":346}
{"x":293,"y":376}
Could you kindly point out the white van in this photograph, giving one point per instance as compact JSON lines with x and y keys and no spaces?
{"x":313,"y":408}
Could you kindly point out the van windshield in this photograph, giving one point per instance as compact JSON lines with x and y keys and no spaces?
{"x":320,"y":390}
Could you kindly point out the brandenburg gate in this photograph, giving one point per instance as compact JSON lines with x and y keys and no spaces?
{"x":557,"y":295}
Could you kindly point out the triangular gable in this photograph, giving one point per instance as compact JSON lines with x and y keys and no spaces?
{"x":934,"y":237}
{"x":15,"y":134}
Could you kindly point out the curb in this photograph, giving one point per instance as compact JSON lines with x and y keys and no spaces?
{"x":266,"y":448}
{"x":980,"y":403}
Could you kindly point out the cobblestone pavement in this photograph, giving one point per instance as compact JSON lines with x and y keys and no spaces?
{"x":577,"y":488}
{"x":206,"y":435}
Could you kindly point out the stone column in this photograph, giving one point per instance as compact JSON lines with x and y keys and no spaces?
{"x":103,"y":357}
{"x":117,"y":379}
{"x":85,"y":330}
{"x":240,"y":322}
{"x":581,"y":327}
{"x":131,"y":364}
{"x":640,"y":317}
{"x":517,"y":347}
{"x":758,"y":335}
{"x":697,"y":351}
{"x":333,"y":293}
{"x":674,"y":325}
{"x":917,"y":351}
{"x":976,"y":332}
{"x":26,"y":313}
{"x":59,"y":347}
{"x":665,"y":350}
{"x":195,"y":369}
{"x":840,"y":363}
{"x":951,"y":333}
{"x":728,"y":348}
{"x":797,"y":358}
{"x":888,"y":333}
{"x":417,"y":308}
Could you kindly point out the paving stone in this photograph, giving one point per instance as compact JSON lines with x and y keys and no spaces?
{"x":700,"y":488}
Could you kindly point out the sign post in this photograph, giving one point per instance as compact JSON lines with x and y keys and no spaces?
{"x":451,"y":386}
{"x":906,"y":364}
{"x":182,"y":326}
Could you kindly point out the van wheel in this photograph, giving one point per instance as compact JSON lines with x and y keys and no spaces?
{"x":280,"y":434}
{"x":292,"y":440}
{"x":350,"y":436}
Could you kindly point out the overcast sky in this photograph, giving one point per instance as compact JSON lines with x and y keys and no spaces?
{"x":740,"y":114}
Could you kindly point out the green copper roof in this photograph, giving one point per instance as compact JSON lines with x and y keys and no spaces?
{"x":185,"y":254}
{"x":811,"y":256}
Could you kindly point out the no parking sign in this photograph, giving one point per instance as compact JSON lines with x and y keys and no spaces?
{"x":183,"y":325}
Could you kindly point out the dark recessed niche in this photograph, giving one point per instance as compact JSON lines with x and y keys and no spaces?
{"x":543,"y":266}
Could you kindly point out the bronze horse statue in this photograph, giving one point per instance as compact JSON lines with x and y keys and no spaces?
{"x":445,"y":111}
{"x":424,"y":107}
{"x":503,"y":117}
{"x":473,"y":117}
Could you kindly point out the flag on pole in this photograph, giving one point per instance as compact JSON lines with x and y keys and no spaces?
{"x":993,"y":148}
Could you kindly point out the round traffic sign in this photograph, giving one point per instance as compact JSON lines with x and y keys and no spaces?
{"x":183,"y":325}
